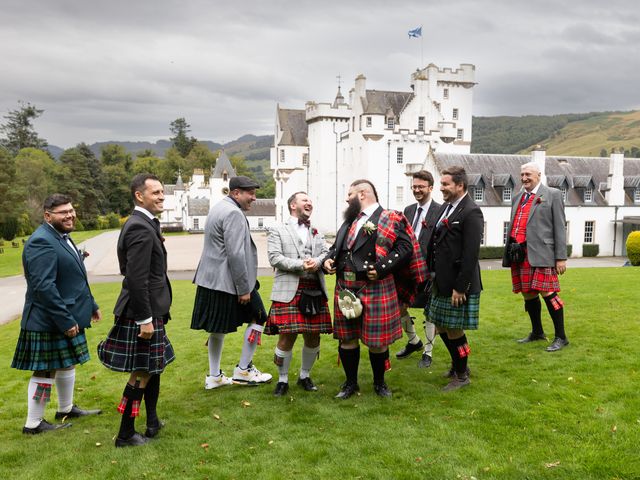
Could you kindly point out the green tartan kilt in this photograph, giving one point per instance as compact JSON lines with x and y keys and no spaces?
{"x":49,"y":350}
{"x":465,"y":317}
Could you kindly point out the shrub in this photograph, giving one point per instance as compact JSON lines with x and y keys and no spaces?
{"x":633,"y":248}
{"x":113,"y":220}
{"x":79,"y":225}
{"x":103,"y":222}
{"x":172,"y":228}
{"x":9,"y":228}
{"x":25,"y":228}
{"x":491,"y":252}
{"x":90,"y":223}
{"x":569,"y":250}
{"x":590,"y":250}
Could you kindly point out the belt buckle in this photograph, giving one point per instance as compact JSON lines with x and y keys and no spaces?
{"x":350,"y":276}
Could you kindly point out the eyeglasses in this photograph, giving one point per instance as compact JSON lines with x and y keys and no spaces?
{"x":419,"y":187}
{"x":64,"y":213}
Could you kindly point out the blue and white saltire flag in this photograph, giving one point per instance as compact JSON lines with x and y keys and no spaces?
{"x":416,"y":32}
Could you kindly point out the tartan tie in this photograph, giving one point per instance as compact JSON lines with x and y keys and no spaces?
{"x":351,"y":236}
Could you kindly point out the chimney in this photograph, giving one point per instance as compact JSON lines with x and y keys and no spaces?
{"x":615,"y":179}
{"x":539,"y":156}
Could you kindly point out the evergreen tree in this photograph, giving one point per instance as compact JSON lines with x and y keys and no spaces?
{"x":181,"y":141}
{"x":76,"y":180}
{"x":8,"y":196}
{"x":18,"y":131}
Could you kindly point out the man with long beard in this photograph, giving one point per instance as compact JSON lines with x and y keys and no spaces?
{"x":370,"y":258}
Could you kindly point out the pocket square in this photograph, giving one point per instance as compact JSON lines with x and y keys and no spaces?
{"x":453,"y":223}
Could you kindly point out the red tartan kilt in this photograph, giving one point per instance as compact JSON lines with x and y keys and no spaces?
{"x":526,"y":278}
{"x":379,"y":325}
{"x":286,"y":317}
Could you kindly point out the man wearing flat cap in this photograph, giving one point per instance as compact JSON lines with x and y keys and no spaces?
{"x":227,"y":287}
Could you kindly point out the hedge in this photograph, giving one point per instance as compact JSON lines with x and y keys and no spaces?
{"x":590,"y":250}
{"x":491,"y":252}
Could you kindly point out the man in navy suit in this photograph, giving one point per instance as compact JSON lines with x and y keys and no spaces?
{"x":58,"y":307}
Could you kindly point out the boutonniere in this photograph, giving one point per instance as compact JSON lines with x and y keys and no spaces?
{"x":314,"y":231}
{"x":539,"y":200}
{"x":424,"y":223}
{"x":83,"y":253}
{"x":369,"y":227}
{"x":445,"y":222}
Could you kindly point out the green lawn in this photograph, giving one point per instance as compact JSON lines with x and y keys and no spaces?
{"x":528,"y":414}
{"x":11,"y":259}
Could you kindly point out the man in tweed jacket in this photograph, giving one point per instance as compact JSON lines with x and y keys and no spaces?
{"x":299,"y":294}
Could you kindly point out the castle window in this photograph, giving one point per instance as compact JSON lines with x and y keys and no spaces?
{"x":399,"y":155}
{"x":421,"y":123}
{"x":391,"y":123}
{"x":589,"y":227}
{"x":588,"y":194}
{"x":483,"y":239}
{"x":505,"y":232}
{"x":368,"y":121}
{"x":196,"y":224}
{"x":225,"y":176}
{"x":260,"y":222}
{"x":636,"y":195}
{"x":506,"y":194}
{"x":459,"y":134}
{"x":455,"y":114}
{"x":445,"y":93}
{"x":305,"y":159}
{"x":478,"y":194}
{"x":563,"y":190}
{"x":400,"y":195}
{"x":281,"y":156}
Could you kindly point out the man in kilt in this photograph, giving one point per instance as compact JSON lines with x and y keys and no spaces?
{"x":422,"y":216}
{"x":453,"y":263}
{"x":227,"y":287}
{"x":376,"y":257}
{"x":58,"y":307}
{"x":537,"y":253}
{"x":137,"y":342}
{"x":299,"y":293}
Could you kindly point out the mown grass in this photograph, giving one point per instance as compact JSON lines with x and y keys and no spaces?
{"x":11,"y":259}
{"x":528,"y":413}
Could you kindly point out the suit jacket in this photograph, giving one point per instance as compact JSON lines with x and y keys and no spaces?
{"x":431,"y":217}
{"x":229,"y":260}
{"x":146,"y":291}
{"x":546,"y":234}
{"x":455,"y":250}
{"x":286,"y":255}
{"x":58,"y":295}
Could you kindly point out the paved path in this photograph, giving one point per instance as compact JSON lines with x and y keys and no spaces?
{"x":184,"y":253}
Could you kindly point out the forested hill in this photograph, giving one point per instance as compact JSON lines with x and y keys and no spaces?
{"x":584,"y":134}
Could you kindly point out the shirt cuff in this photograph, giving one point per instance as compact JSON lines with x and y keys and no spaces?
{"x":144,"y":322}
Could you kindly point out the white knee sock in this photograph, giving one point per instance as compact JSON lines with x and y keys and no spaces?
{"x":410,"y":329}
{"x":65,"y":381}
{"x":430,"y":333}
{"x":283,"y":370}
{"x":35,"y":407}
{"x":216,"y":342}
{"x":309,"y":356}
{"x":248,"y":349}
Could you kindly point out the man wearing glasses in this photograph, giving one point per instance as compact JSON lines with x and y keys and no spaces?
{"x":58,"y":307}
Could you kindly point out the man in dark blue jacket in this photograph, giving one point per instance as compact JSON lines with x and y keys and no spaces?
{"x":58,"y":307}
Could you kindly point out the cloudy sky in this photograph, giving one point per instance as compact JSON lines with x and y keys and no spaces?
{"x":123,"y":70}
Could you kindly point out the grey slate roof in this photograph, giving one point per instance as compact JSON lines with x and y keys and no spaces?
{"x":380,"y":102}
{"x":198,"y":207}
{"x":293,"y":124}
{"x":263,"y":207}
{"x":502,"y":180}
{"x":556,"y":181}
{"x":632,"y":182}
{"x":582,"y":181}
{"x":169,"y":189}
{"x":223,"y":164}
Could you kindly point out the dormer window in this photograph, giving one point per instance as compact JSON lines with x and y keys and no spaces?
{"x":636,"y":195}
{"x":588,"y":194}
{"x":506,"y":194}
{"x":391,"y":123}
{"x":478,"y":194}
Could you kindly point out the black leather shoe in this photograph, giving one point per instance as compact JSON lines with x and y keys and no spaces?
{"x":533,"y":337}
{"x":408,"y":349}
{"x":347,"y":390}
{"x":134,"y":440}
{"x":281,"y":389}
{"x":151,"y":432}
{"x":307,"y":384}
{"x":425,"y":361}
{"x":557,"y":344}
{"x":44,"y":426}
{"x":77,"y":412}
{"x":382,"y":390}
{"x":452,"y":373}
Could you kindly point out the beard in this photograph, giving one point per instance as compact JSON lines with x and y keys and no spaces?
{"x":352,"y":210}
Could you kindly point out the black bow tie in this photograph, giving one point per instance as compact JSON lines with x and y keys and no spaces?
{"x":304,"y":222}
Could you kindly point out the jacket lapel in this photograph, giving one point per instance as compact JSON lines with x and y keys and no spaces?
{"x":453,"y":216}
{"x":295,"y":239}
{"x":363,"y":236}
{"x":539,"y":197}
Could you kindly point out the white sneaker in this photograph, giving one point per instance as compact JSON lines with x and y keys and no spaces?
{"x":221,"y":380}
{"x":250,"y":376}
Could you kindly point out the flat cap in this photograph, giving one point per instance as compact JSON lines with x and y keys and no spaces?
{"x":242,"y":182}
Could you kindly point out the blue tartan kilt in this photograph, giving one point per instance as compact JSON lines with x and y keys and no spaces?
{"x":465,"y":317}
{"x":49,"y":350}
{"x":124,"y":351}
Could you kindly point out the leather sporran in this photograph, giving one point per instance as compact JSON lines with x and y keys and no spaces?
{"x":310,"y":302}
{"x":516,"y":251}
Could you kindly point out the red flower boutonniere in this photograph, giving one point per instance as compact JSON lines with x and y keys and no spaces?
{"x":445,"y":222}
{"x":83,"y":253}
{"x":314,"y":232}
{"x":538,"y":200}
{"x":424,"y":223}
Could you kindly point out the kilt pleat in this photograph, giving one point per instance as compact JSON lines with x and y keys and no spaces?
{"x":124,"y":351}
{"x":219,"y":312}
{"x":287,"y":318}
{"x":49,"y":350}
{"x":466,"y":316}
{"x":526,"y":278}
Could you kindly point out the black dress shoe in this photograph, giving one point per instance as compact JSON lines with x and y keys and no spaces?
{"x":408,"y":349}
{"x":77,"y":412}
{"x":382,"y":390}
{"x":134,"y":440}
{"x":425,"y":361}
{"x":452,"y":373}
{"x":44,"y":426}
{"x":533,"y":337}
{"x":307,"y":384}
{"x":557,"y":344}
{"x":347,"y":390}
{"x":281,"y":389}
{"x":151,"y":432}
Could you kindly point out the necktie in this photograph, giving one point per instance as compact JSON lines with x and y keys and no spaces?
{"x":351,"y":236}
{"x":416,"y":220}
{"x":525,"y":197}
{"x":156,"y":222}
{"x":304,"y":222}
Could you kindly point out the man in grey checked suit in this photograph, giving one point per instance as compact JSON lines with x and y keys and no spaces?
{"x":227,"y":288}
{"x":299,"y":294}
{"x":538,"y":229}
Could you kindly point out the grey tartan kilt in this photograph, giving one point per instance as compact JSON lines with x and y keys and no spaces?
{"x":124,"y":351}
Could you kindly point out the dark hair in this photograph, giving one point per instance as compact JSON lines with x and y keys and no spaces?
{"x":138,"y":183}
{"x":458,"y":175}
{"x":56,"y":200}
{"x":292,"y":198}
{"x":360,"y":181}
{"x":424,"y":175}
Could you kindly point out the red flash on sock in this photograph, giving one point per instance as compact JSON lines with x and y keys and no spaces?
{"x":135,"y":408}
{"x":254,"y":337}
{"x":122,"y":406}
{"x":464,"y":350}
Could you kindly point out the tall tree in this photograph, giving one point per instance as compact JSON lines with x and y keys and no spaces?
{"x":116,"y":168}
{"x":36,"y":178}
{"x":18,"y":131}
{"x":181,"y":140}
{"x":76,"y":180}
{"x":8,"y":197}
